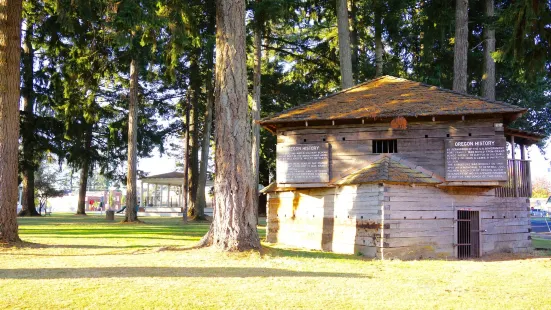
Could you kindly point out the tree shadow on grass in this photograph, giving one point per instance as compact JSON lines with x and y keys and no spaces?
{"x":77,"y":232}
{"x":168,"y":272}
{"x":40,"y":246}
{"x":176,"y":238}
{"x":279,"y":252}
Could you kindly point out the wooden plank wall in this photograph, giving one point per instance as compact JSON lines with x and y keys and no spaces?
{"x":421,"y":221}
{"x":399,"y":221}
{"x":394,"y":221}
{"x":421,"y":143}
{"x":342,"y":220}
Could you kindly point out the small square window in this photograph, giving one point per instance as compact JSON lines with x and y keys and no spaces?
{"x":385,"y":146}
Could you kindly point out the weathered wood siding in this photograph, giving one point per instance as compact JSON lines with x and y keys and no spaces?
{"x":342,"y":220}
{"x":394,"y":221}
{"x":421,"y":220}
{"x":421,"y":143}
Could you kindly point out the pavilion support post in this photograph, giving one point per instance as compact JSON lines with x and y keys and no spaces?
{"x":514,"y":166}
{"x":161,"y":197}
{"x":141,"y":195}
{"x":148,"y":196}
{"x":155,"y":197}
{"x":168,"y":196}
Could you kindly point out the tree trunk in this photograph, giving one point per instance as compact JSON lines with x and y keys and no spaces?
{"x":234,"y":224}
{"x":201,"y":201}
{"x":461,"y":46}
{"x":131,"y":196}
{"x":354,"y":38}
{"x":256,"y":111}
{"x":10,"y":53}
{"x":27,"y":98}
{"x":489,"y":66}
{"x":344,"y":45}
{"x":84,"y":173}
{"x":195,"y":84}
{"x":185,"y":194}
{"x":378,"y":40}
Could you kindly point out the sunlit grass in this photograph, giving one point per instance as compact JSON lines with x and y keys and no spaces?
{"x":86,"y":262}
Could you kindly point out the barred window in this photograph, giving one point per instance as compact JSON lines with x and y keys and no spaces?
{"x":385,"y":146}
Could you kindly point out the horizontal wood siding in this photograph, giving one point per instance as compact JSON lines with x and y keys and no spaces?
{"x":421,"y":221}
{"x":422,"y":143}
{"x":394,"y":221}
{"x":342,"y":220}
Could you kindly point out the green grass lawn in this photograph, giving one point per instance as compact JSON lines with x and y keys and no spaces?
{"x":539,"y":243}
{"x":85,"y":262}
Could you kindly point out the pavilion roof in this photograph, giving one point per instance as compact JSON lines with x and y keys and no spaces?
{"x":169,"y":175}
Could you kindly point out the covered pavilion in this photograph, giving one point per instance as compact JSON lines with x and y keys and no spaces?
{"x":162,"y":190}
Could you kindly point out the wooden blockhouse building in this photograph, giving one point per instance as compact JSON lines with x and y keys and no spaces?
{"x":398,"y":169}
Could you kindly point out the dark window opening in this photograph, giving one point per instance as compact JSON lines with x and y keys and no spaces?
{"x":385,"y":146}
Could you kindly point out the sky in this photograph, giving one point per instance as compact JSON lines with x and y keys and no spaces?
{"x":157,"y":165}
{"x":540,"y":165}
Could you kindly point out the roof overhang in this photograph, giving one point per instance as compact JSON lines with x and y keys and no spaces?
{"x":523,"y":137}
{"x":273,"y":126}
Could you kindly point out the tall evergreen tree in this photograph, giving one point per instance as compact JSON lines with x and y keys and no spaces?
{"x":27,"y":132}
{"x":209,"y":40}
{"x":10,"y":53}
{"x":345,"y":57}
{"x":461,"y":46}
{"x":234,"y":224}
{"x":378,"y":25}
{"x":489,"y":37}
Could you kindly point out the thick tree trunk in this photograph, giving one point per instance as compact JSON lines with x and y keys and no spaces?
{"x":27,"y":98}
{"x":234,"y":224}
{"x":195,"y":83}
{"x":489,"y":75}
{"x":131,"y":195}
{"x":461,"y":46}
{"x":201,"y":201}
{"x":354,"y":38}
{"x":10,"y":53}
{"x":344,"y":44}
{"x":256,"y":112}
{"x":84,"y":173}
{"x":378,"y":40}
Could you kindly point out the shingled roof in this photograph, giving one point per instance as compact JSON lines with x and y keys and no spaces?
{"x":391,"y":169}
{"x":390,"y":97}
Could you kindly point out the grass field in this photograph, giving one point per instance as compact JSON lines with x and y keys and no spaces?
{"x":85,"y":262}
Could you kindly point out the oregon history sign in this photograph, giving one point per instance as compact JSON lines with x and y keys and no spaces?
{"x":303,"y":163}
{"x":476,"y":160}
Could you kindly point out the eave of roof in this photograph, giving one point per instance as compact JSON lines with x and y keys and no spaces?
{"x":169,"y":175}
{"x":523,"y":136}
{"x":362,"y":103}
